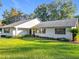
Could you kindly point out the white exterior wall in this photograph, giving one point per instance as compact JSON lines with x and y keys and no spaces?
{"x":50,"y":32}
{"x":8,"y":34}
{"x":13,"y":32}
{"x":20,"y":32}
{"x":28,"y":24}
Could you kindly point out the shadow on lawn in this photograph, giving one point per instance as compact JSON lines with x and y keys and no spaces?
{"x":39,"y":39}
{"x":43,"y":39}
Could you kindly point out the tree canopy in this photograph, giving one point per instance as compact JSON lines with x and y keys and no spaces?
{"x":56,"y":10}
{"x":41,"y":12}
{"x":9,"y":15}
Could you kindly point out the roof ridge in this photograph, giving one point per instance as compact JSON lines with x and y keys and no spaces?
{"x":62,"y":20}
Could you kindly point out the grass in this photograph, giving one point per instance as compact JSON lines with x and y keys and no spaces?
{"x":37,"y":48}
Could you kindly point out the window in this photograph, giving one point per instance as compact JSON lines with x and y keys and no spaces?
{"x":59,"y":30}
{"x":6,"y":30}
{"x":42,"y":30}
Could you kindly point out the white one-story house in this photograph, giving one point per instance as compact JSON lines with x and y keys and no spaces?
{"x":50,"y":29}
{"x":22,"y":27}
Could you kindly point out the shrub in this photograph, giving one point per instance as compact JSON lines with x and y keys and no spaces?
{"x":74,"y":32}
{"x":6,"y":36}
{"x":63,"y":39}
{"x":24,"y":36}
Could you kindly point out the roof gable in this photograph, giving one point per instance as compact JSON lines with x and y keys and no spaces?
{"x":24,"y":23}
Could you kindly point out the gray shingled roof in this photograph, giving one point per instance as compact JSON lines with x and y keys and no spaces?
{"x":58,"y":23}
{"x":16,"y":23}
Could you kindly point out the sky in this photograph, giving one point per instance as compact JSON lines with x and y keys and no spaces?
{"x":28,"y":6}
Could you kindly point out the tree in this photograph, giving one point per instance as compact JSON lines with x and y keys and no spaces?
{"x":61,"y":9}
{"x":9,"y":16}
{"x":6,"y":14}
{"x":74,"y":32}
{"x":58,"y":9}
{"x":32,"y":16}
{"x":41,"y":12}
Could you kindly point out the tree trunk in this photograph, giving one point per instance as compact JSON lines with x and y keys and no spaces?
{"x":73,"y":39}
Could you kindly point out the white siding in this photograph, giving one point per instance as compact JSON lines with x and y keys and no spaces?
{"x":50,"y":32}
{"x":13,"y":32}
{"x":20,"y":32}
{"x":7,"y":34}
{"x":28,"y":24}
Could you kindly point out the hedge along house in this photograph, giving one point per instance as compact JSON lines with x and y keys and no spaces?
{"x":19,"y":28}
{"x":56,"y":29}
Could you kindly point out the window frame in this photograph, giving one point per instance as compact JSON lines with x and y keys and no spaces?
{"x":60,"y":30}
{"x":6,"y":30}
{"x":41,"y":30}
{"x":44,"y":30}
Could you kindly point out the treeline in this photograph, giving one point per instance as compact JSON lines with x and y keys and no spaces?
{"x":56,"y":10}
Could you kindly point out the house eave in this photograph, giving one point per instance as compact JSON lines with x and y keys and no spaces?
{"x":56,"y":27}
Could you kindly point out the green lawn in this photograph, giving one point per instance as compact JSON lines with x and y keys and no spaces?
{"x":37,"y":48}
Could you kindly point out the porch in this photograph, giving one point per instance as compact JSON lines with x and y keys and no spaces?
{"x":15,"y":31}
